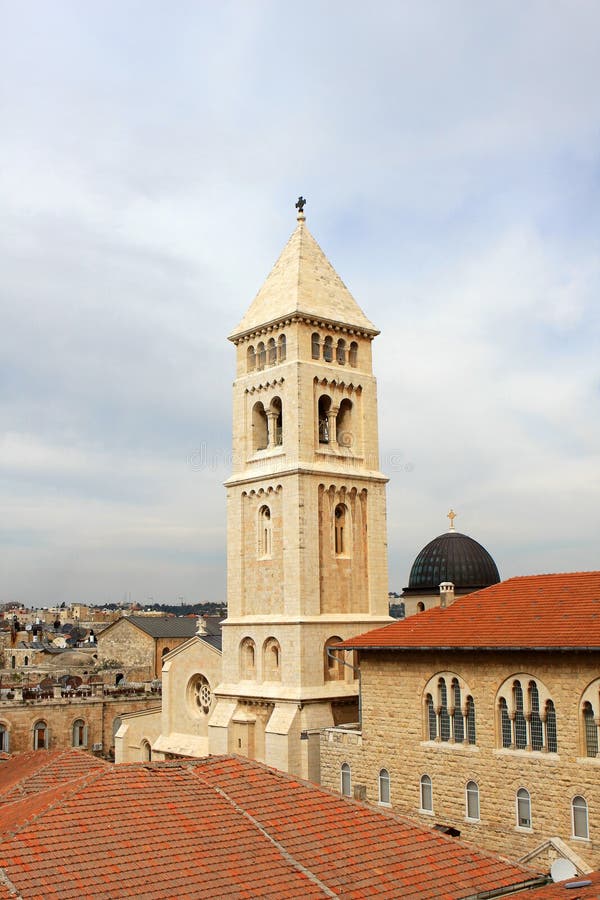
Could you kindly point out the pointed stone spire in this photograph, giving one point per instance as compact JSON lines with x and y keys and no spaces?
{"x":304,"y":282}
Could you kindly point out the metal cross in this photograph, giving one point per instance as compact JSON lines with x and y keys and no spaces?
{"x":300,"y":203}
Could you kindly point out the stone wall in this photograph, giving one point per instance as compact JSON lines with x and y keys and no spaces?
{"x":98,"y":714}
{"x":394,"y":736}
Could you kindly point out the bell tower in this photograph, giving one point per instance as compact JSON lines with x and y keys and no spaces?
{"x":306,"y":532}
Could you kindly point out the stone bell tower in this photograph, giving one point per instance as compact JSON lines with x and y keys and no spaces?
{"x":306,"y":535}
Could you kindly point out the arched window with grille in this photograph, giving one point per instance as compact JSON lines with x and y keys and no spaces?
{"x":444,"y":716}
{"x":471,"y":732}
{"x":590,"y":730}
{"x":346,"y":780}
{"x":537,"y":734}
{"x":431,"y":718}
{"x":328,"y":349}
{"x":472,"y":800}
{"x":426,"y":794}
{"x":315,"y":346}
{"x":261,"y":356}
{"x":353,"y":354}
{"x":579,"y":810}
{"x":458,"y":722}
{"x":340,"y":353}
{"x":527,"y":720}
{"x":523,"y":808}
{"x":271,"y":352}
{"x":251,"y":359}
{"x":384,"y":786}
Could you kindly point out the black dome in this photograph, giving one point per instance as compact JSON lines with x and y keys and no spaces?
{"x":453,"y":557}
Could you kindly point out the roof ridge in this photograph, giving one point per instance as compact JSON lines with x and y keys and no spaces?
{"x":71,"y":788}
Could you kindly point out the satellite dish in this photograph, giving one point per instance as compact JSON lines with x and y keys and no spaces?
{"x":28,"y":628}
{"x":561,"y":869}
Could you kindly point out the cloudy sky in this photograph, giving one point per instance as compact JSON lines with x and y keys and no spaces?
{"x":150,"y":157}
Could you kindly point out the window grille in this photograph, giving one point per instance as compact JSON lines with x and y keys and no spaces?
{"x":551,"y":733}
{"x":520,"y":723}
{"x":444,"y":717}
{"x":505,"y":724}
{"x":591,"y":730}
{"x":459,"y":723}
{"x":431,"y":718}
{"x":471,"y":735}
{"x":537,"y":734}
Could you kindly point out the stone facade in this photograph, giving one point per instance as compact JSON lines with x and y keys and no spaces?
{"x":139,"y":652}
{"x":395,"y":736}
{"x":98,"y":716}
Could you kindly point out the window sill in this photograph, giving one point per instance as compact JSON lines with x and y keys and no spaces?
{"x":524,"y":829}
{"x":469,"y":821}
{"x":450,"y":747}
{"x":583,"y":842}
{"x":426,"y":812}
{"x":384,"y":804}
{"x":527,"y":754}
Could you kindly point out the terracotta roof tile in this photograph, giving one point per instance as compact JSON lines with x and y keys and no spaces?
{"x":532,"y":611}
{"x":225,"y":827}
{"x":566,"y":890}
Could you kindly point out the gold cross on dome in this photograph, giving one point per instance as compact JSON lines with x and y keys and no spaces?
{"x":451,"y":515}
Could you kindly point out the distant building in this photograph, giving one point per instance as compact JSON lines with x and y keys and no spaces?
{"x":141,"y":642}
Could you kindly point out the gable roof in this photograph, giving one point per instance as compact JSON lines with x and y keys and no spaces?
{"x":135,"y":830}
{"x":303,"y":281}
{"x":160,"y":626}
{"x":580,"y":887}
{"x":526,"y":612}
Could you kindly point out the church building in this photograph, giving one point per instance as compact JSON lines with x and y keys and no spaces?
{"x":306,"y":532}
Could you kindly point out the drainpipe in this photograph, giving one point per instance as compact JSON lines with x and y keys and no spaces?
{"x":331,"y":653}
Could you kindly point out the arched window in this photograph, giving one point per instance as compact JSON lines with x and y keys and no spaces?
{"x":523,"y":724}
{"x":146,"y":751}
{"x":551,"y":734}
{"x":281,"y":348}
{"x":579,"y":810}
{"x":324,"y":406}
{"x":505,"y":724}
{"x":384,"y":786}
{"x":431,"y":718}
{"x":340,"y":353}
{"x":344,"y":426}
{"x":165,"y":650}
{"x":4,"y":738}
{"x":40,"y":736}
{"x":264,"y":533}
{"x":261,"y":356}
{"x":471,"y":734}
{"x":333,"y":660}
{"x":444,"y":717}
{"x":353,"y":354}
{"x":13,"y":662}
{"x":79,"y":734}
{"x":260,"y":429}
{"x":272,"y":352}
{"x":315,"y":345}
{"x":272,"y":660}
{"x":248,"y":658}
{"x":250,"y":359}
{"x":523,"y":808}
{"x":458,"y":722}
{"x":590,"y":730}
{"x":537,"y":733}
{"x":26,"y":661}
{"x":472,"y":798}
{"x":420,"y":606}
{"x":328,"y":349}
{"x":346,"y":780}
{"x":520,"y":723}
{"x":426,"y":794}
{"x":276,"y":422}
{"x":340,"y":540}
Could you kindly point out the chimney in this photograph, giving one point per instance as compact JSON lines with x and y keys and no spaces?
{"x":446,"y":594}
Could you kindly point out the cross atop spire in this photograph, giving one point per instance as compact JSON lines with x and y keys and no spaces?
{"x":451,"y":515}
{"x":300,"y":204}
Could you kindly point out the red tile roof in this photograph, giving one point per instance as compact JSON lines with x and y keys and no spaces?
{"x":567,"y":890}
{"x":531,"y":611}
{"x":227,"y":827}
